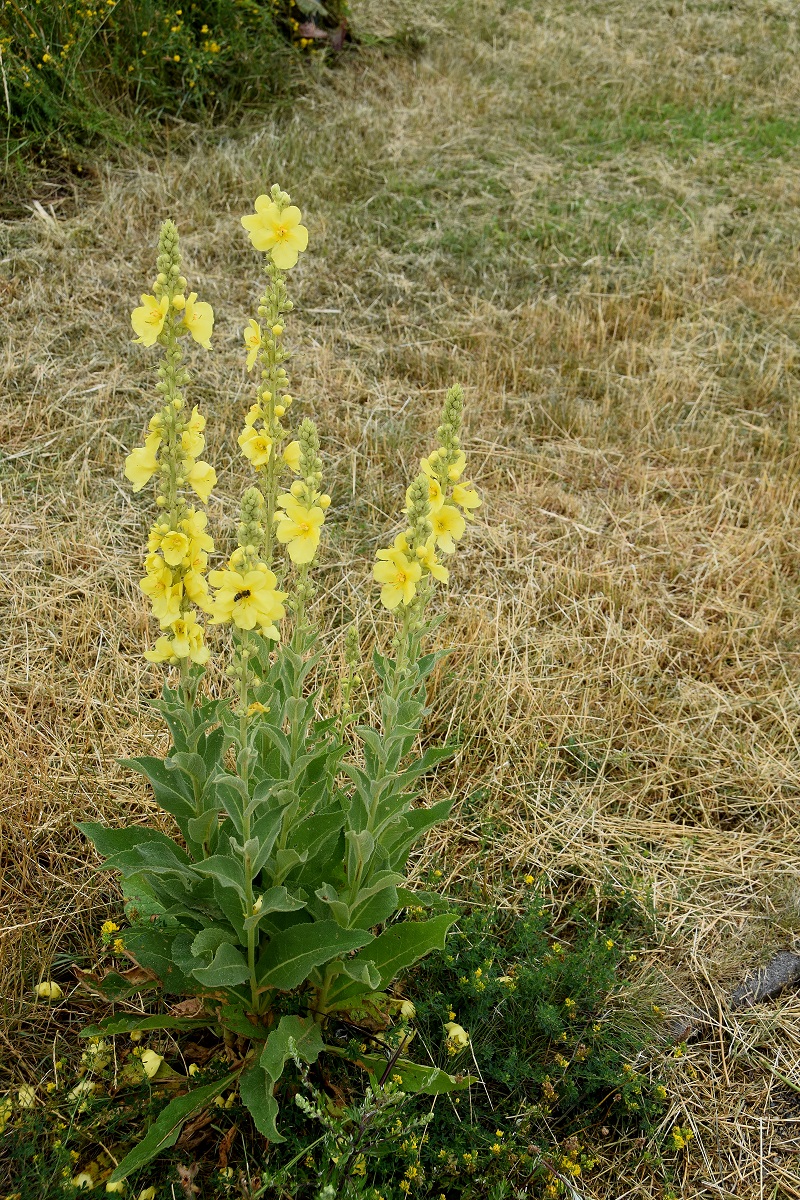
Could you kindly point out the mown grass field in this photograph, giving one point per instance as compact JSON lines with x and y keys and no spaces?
{"x":588,"y":214}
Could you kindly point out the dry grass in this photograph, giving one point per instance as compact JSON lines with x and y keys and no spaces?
{"x":589,"y":218}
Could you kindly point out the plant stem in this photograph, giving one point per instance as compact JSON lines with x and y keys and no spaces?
{"x":244,"y":773}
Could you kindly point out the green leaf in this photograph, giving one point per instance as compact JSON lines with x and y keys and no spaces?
{"x":285,"y":861}
{"x":415,"y":1077}
{"x":115,"y":1025}
{"x":406,"y":898}
{"x":227,"y":968}
{"x":108,"y":842}
{"x":275,"y":899}
{"x":255,"y":1088}
{"x":151,"y":946}
{"x":364,"y":972}
{"x":402,"y":944}
{"x":201,"y":829}
{"x":226,"y":871}
{"x":211,"y":938}
{"x":168,"y":788}
{"x":164,"y":1131}
{"x":374,"y":909}
{"x":291,"y":955}
{"x":308,"y":1044}
{"x":266,"y":829}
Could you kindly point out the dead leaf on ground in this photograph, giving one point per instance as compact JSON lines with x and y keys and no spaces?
{"x":225,"y":1147}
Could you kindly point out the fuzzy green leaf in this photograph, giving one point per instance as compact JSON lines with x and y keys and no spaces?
{"x":255,"y":1087}
{"x":227,"y":969}
{"x":415,"y":1078}
{"x":307,"y":1039}
{"x":125,"y":1024}
{"x":164,"y":1131}
{"x":291,"y":955}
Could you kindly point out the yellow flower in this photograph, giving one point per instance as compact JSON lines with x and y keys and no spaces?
{"x":47,"y":990}
{"x":117,"y":1188}
{"x":256,"y":446}
{"x":198,"y":319}
{"x":142,"y":463}
{"x":202,"y":478}
{"x":457,"y":1036}
{"x":194,"y":526}
{"x":83,"y":1182}
{"x":435,"y":494}
{"x":109,"y":927}
{"x":448,"y":526}
{"x":185,"y":641}
{"x":427,"y":556}
{"x":454,"y":471}
{"x":252,"y":339}
{"x":164,"y":595}
{"x":151,"y":1062}
{"x":291,"y":456}
{"x":277,"y":232}
{"x":299,"y":529}
{"x":254,"y":413}
{"x":399,"y":577}
{"x":248,"y":599}
{"x":466,"y":497}
{"x":196,"y":589}
{"x":174,"y":547}
{"x":192,"y":443}
{"x":148,"y":321}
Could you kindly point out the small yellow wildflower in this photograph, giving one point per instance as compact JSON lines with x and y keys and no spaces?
{"x":252,"y":340}
{"x":277,"y":231}
{"x":164,"y":595}
{"x":142,"y":463}
{"x":185,"y":641}
{"x":291,"y":456}
{"x":151,"y":1062}
{"x":448,"y":526}
{"x":256,"y":445}
{"x":248,"y":599}
{"x":465,"y":496}
{"x":109,"y":927}
{"x":202,"y":478}
{"x":174,"y":547}
{"x":299,"y":528}
{"x":399,"y":577}
{"x":148,"y":320}
{"x":198,"y":319}
{"x":47,"y":990}
{"x":457,"y":1037}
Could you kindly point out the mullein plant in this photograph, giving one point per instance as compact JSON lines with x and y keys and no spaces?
{"x":276,"y":906}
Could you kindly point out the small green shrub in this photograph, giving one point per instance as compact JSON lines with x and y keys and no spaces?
{"x":74,"y":73}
